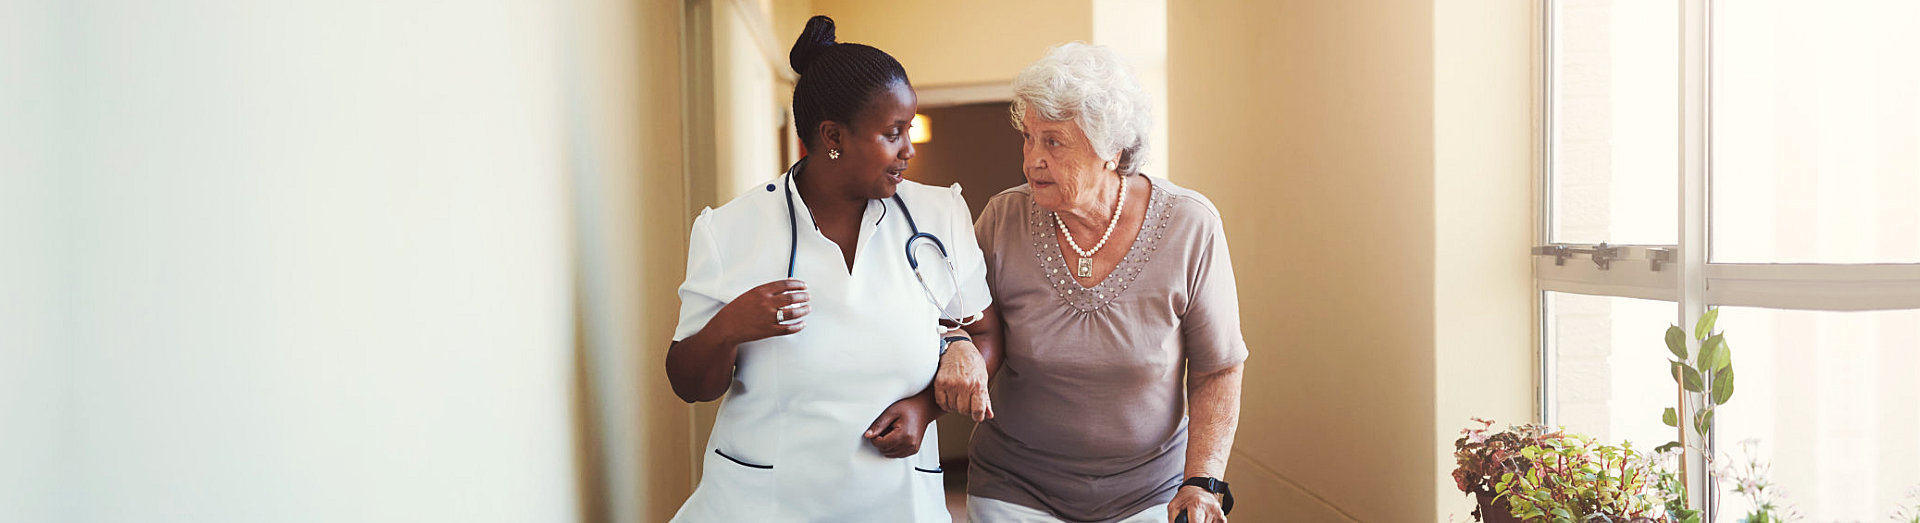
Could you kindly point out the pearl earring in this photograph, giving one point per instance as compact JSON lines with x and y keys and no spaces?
{"x":1111,"y":165}
{"x":833,"y":154}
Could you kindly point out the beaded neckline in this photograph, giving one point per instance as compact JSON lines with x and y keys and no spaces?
{"x":1053,"y":265}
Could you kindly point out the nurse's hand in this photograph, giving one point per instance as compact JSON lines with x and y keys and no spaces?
{"x":765,"y":311}
{"x":961,"y":384}
{"x":898,"y":431}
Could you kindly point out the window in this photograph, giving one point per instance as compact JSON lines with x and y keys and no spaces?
{"x":1600,"y":364}
{"x":1613,"y":110}
{"x":1815,"y":131}
{"x":1831,"y":399}
{"x":1762,"y":157}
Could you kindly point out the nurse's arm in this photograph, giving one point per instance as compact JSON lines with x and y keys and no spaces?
{"x":700,"y":367}
{"x":900,"y":429}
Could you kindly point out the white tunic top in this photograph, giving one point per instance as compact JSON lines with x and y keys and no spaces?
{"x":788,"y":445}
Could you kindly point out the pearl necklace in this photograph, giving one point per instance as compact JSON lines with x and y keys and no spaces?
{"x":1086,"y":256}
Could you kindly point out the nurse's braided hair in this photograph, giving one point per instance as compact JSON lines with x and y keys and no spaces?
{"x":836,"y":79}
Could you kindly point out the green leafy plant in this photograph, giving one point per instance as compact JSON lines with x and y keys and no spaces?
{"x":1708,"y":373}
{"x":1573,"y":479}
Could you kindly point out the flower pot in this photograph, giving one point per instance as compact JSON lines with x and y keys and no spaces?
{"x":1495,"y":511}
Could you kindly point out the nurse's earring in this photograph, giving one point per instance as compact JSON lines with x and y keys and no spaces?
{"x":833,"y":154}
{"x":1111,"y":165}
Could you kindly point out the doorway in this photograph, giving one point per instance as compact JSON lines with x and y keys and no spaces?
{"x":973,"y":145}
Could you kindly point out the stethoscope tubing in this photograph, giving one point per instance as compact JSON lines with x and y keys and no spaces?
{"x":913,"y":261}
{"x":793,"y":226}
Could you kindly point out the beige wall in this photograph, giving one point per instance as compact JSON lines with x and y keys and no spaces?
{"x":1366,"y":277}
{"x":631,"y":212}
{"x":788,"y":18}
{"x":959,"y":43}
{"x":750,"y":96}
{"x":1310,"y":124}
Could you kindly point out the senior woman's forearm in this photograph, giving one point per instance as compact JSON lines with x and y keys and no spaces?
{"x":1213,"y":410}
{"x":986,"y":334}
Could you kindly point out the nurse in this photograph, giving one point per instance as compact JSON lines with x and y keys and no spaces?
{"x":802,"y":307}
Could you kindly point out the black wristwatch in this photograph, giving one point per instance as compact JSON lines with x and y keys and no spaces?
{"x":944,"y":342}
{"x":1215,"y":486}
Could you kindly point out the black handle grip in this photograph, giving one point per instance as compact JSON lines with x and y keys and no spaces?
{"x":1181,"y":518}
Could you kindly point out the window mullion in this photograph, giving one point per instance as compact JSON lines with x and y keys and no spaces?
{"x":1694,"y":164}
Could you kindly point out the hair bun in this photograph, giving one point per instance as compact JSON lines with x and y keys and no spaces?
{"x":817,"y":37}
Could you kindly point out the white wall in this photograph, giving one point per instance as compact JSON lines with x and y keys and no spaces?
{"x":1485,"y":348}
{"x":31,"y":382}
{"x":315,"y":260}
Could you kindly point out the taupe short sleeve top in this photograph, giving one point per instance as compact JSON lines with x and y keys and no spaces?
{"x":1089,"y":404}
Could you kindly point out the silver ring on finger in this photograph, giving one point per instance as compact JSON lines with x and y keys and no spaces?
{"x":779,"y":315}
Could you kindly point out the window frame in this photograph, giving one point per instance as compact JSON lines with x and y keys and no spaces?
{"x":1684,"y":276}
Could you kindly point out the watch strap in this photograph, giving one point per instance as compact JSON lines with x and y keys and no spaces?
{"x":1215,"y":486}
{"x":944,"y":342}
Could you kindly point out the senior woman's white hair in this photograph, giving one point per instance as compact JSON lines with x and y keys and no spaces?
{"x":1091,"y":85}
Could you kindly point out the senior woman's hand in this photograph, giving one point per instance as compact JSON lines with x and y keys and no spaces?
{"x":1201,"y":506}
{"x":961,"y":384}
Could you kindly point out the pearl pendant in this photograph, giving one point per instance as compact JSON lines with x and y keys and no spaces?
{"x":1086,"y":268}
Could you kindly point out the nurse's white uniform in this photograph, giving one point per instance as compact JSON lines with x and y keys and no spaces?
{"x":788,"y":443}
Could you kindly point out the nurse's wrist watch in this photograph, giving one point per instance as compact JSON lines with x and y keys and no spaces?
{"x":944,"y":342}
{"x":1215,"y":486}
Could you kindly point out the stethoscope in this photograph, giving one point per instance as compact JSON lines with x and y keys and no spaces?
{"x":918,"y":238}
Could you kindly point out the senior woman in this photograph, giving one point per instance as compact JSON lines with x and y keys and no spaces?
{"x":1122,"y":322}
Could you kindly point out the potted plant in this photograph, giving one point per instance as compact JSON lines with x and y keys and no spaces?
{"x":1533,"y":473}
{"x":1574,"y":479}
{"x":1482,"y":455}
